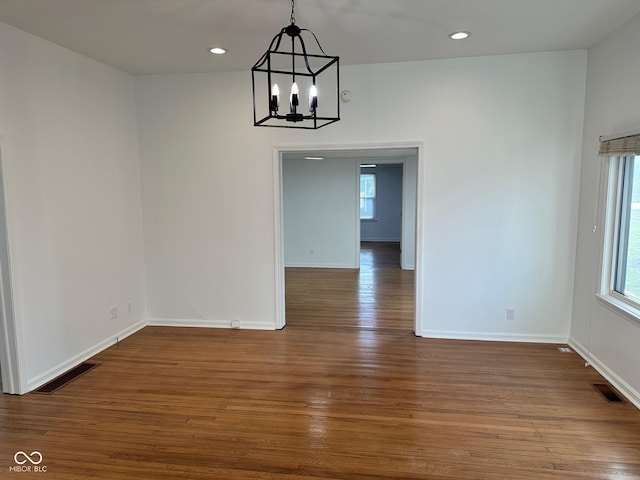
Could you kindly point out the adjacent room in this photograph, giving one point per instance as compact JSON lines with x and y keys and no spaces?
{"x":430,"y":268}
{"x":349,"y":237}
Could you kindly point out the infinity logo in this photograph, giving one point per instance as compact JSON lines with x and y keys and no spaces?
{"x":28,"y":458}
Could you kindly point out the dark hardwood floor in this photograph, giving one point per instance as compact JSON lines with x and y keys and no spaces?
{"x":378,"y":296}
{"x":325,"y":400}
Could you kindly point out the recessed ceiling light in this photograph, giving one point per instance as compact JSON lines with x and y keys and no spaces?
{"x":218,"y":50}
{"x":314,"y":158}
{"x":459,"y":35}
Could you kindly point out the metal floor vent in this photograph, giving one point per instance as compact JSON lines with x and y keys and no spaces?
{"x":65,"y":378}
{"x":565,"y":349}
{"x":608,"y":393}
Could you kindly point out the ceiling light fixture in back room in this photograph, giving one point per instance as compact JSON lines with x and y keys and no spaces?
{"x":312,"y":79}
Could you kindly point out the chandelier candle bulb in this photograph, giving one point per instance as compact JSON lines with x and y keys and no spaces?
{"x":313,"y":98}
{"x":275,"y":98}
{"x":293,"y":100}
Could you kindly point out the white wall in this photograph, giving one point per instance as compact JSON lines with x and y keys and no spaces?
{"x":498,"y":189}
{"x":208,"y":201}
{"x":320,"y":213}
{"x":608,"y":339}
{"x":387,"y":226}
{"x":72,"y":182}
{"x":409,"y":201}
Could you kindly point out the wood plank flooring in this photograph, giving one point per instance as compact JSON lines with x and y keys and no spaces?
{"x":324,"y":401}
{"x":380,"y":295}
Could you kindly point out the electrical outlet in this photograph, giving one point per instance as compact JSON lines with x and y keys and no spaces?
{"x":114,"y":312}
{"x":235,"y":323}
{"x":511,"y":314}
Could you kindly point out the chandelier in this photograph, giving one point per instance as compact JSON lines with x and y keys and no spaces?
{"x":312,"y":79}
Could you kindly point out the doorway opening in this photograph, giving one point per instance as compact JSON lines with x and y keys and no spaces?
{"x":387,"y":189}
{"x":330,"y":277}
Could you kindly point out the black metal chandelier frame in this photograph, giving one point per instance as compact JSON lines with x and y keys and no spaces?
{"x":320,"y":63}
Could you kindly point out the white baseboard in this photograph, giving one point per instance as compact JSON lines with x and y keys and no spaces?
{"x":76,"y":360}
{"x":315,"y":265}
{"x":207,"y":323}
{"x":380,"y":240}
{"x":495,"y":337}
{"x":623,"y":387}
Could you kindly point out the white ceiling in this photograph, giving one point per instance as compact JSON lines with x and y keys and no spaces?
{"x":172,"y":36}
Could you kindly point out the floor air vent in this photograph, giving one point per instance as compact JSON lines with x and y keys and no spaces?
{"x":65,"y":378}
{"x":608,"y":393}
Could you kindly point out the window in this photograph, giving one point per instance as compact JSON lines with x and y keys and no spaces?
{"x":626,"y":274}
{"x":367,"y":196}
{"x":620,"y":280}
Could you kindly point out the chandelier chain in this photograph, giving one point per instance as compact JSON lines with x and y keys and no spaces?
{"x":293,"y":18}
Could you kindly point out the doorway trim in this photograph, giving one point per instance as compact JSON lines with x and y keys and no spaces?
{"x":9,"y":351}
{"x":278,"y":151}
